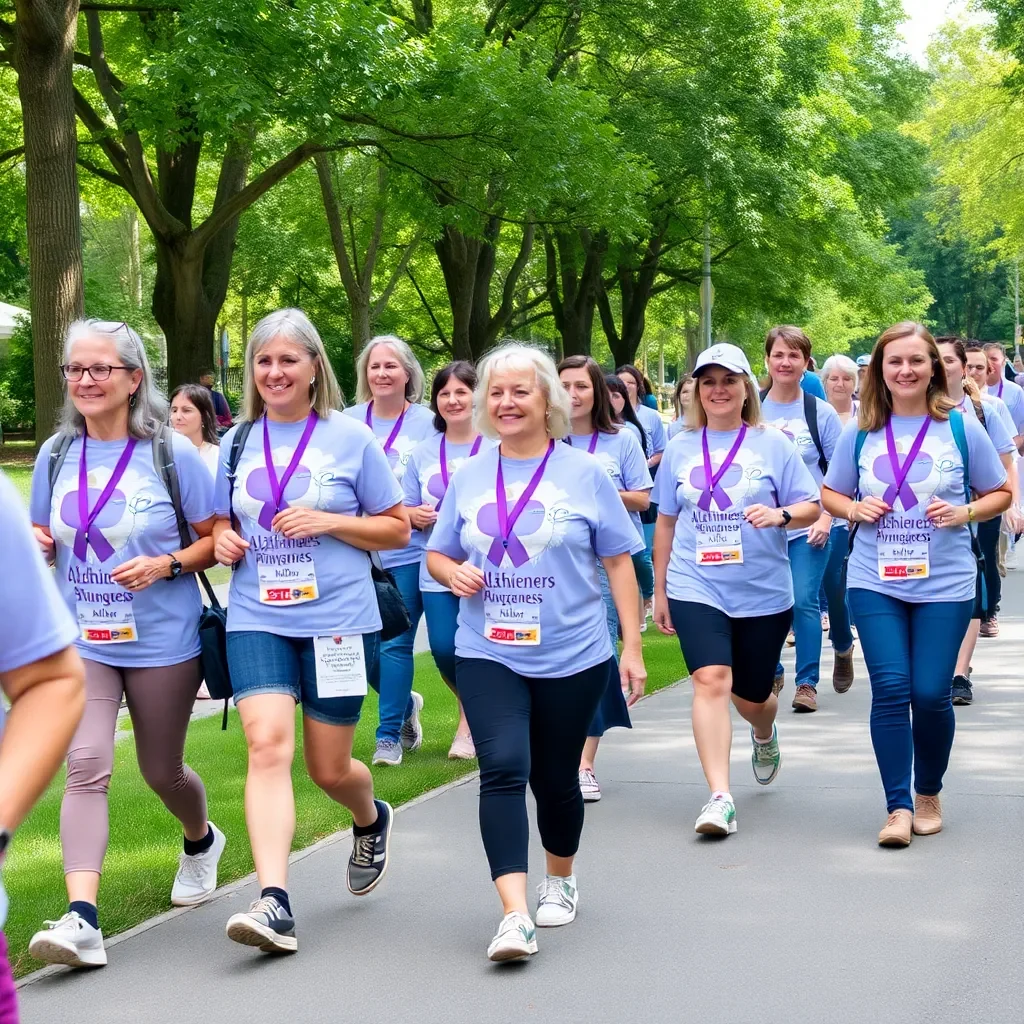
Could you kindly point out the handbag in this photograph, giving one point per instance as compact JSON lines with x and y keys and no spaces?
{"x":394,"y":616}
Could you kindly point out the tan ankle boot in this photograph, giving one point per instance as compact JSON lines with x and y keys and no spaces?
{"x":927,"y":815}
{"x":897,"y":830}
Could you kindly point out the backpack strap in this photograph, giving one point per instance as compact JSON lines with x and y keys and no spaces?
{"x":764,"y":394}
{"x":234,"y":457}
{"x":862,"y":436}
{"x":58,"y":453}
{"x":956,"y":425}
{"x":811,"y":416}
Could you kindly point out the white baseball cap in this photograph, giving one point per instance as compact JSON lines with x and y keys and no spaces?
{"x":729,"y":357}
{"x":864,"y":360}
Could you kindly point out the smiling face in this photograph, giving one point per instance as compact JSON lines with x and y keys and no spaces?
{"x":517,"y":405}
{"x":580,"y":389}
{"x":630,"y":382}
{"x":786,"y":363}
{"x":385,"y":374}
{"x":977,"y":367}
{"x":907,"y":368}
{"x":186,"y":419}
{"x":951,"y":361}
{"x":282,"y":370}
{"x":686,"y":394}
{"x":99,"y":399}
{"x":839,"y":385}
{"x":996,"y":361}
{"x":455,"y":402}
{"x":721,"y":393}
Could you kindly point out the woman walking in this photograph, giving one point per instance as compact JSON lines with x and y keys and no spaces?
{"x":301,"y":497}
{"x":192,"y":415}
{"x":912,"y":576}
{"x":518,"y":539}
{"x":389,"y":387}
{"x":103,"y":514}
{"x":727,"y":494}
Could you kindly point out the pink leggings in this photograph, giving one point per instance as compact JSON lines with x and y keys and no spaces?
{"x":160,"y":704}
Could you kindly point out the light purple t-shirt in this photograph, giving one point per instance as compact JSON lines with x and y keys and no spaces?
{"x":424,"y":485}
{"x":417,"y":426}
{"x":574,"y":518}
{"x":623,"y":460}
{"x":937,"y":472}
{"x":1013,"y":395}
{"x":768,"y":470}
{"x":344,"y":471}
{"x":675,"y":426}
{"x":654,"y":428}
{"x":789,"y":417}
{"x":998,"y":424}
{"x":138,"y":520}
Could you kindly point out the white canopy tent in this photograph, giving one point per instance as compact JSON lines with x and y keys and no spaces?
{"x":8,"y":319}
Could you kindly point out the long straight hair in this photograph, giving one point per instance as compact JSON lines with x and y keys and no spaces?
{"x":404,"y":354}
{"x":969,"y":385}
{"x":628,"y":414}
{"x":875,"y":397}
{"x":601,"y":418}
{"x":200,"y":398}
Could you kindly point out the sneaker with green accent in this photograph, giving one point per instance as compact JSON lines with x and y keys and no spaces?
{"x":765,"y":758}
{"x":717,"y":818}
{"x":516,"y":938}
{"x":557,"y":901}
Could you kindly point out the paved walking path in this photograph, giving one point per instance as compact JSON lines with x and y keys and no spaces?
{"x":799,"y":917}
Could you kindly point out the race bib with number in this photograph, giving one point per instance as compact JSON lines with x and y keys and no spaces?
{"x":103,"y":624}
{"x":340,"y":666}
{"x":903,"y":561}
{"x":287,"y":584}
{"x":518,"y":625}
{"x":719,"y":542}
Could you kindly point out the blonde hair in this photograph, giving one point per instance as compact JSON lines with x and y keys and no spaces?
{"x":696,"y":418}
{"x":513,"y":355}
{"x":291,"y":325}
{"x":875,"y":398}
{"x":413,"y":386}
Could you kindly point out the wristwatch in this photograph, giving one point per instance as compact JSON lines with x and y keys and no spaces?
{"x":175,"y":568}
{"x":5,"y":841}
{"x":786,"y":518}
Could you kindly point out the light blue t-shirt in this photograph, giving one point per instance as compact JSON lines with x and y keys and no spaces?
{"x":675,"y":426}
{"x":344,"y":471}
{"x":424,"y":485}
{"x":623,"y":460}
{"x":653,"y":428}
{"x":1013,"y":395}
{"x":138,"y":520}
{"x":811,"y":383}
{"x":937,"y":473}
{"x":574,"y":518}
{"x":417,"y":426}
{"x":768,"y":470}
{"x":789,"y":417}
{"x":998,"y":424}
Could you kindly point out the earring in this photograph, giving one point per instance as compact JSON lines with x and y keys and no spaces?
{"x":312,"y":380}
{"x":131,"y":401}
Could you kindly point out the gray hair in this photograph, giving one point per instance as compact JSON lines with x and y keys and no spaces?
{"x":147,"y":408}
{"x":841,"y":364}
{"x":404,"y":354}
{"x":514,"y":355}
{"x":291,"y":325}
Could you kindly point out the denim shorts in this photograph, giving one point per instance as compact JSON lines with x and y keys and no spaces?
{"x":267,"y":663}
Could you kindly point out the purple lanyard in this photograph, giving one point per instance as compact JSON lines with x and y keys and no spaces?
{"x":506,"y":539}
{"x":999,"y":393}
{"x":394,"y":433}
{"x":899,"y":473}
{"x":277,"y":487}
{"x":87,"y":534}
{"x":591,"y":448}
{"x":444,"y":466}
{"x":712,"y":480}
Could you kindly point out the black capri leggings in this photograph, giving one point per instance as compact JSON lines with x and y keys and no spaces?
{"x":988,"y":538}
{"x":528,"y":730}
{"x":750,"y":646}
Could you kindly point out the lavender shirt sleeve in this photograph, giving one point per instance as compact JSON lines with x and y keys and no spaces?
{"x":614,"y":532}
{"x":39,"y":497}
{"x":635,"y":474}
{"x":986,"y":470}
{"x":842,"y":468}
{"x":377,"y":488}
{"x":830,"y":426}
{"x":411,"y":493}
{"x":221,"y":491}
{"x":194,"y":482}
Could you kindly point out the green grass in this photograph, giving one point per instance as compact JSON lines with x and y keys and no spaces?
{"x":145,"y":840}
{"x":20,"y":476}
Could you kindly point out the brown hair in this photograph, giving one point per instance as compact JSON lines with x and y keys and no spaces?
{"x":602,"y":417}
{"x":199,"y":396}
{"x":463,"y":372}
{"x":790,"y":335}
{"x":875,"y":398}
{"x":970,"y":387}
{"x":697,"y":418}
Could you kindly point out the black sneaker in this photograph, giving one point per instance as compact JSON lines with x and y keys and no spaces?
{"x":268,"y":926}
{"x":963,"y":693}
{"x":369,"y":858}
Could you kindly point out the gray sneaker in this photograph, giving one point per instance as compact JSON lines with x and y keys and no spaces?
{"x":369,"y":859}
{"x":388,"y":752}
{"x":411,"y":733}
{"x":765,"y":758}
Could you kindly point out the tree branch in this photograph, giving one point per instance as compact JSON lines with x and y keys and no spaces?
{"x":11,"y":154}
{"x":430,"y":312}
{"x":100,"y":172}
{"x":323,"y":173}
{"x":385,"y":296}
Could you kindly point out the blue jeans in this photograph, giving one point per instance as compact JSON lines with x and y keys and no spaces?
{"x":807,"y":565}
{"x":911,"y":652}
{"x":644,"y":569}
{"x":442,"y":611}
{"x":839,"y":631}
{"x":396,"y":664}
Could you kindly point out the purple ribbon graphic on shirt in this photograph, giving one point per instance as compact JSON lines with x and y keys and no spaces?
{"x":263,"y":484}
{"x":87,"y":532}
{"x":914,"y":469}
{"x":711,"y":483}
{"x":496,"y":521}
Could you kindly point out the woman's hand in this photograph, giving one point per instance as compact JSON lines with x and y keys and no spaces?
{"x":763,"y":516}
{"x":662,"y":619}
{"x":633,"y":675}
{"x":818,"y":534}
{"x":942,"y":514}
{"x":422,"y":516}
{"x":142,"y":571}
{"x":46,"y":544}
{"x":868,"y":510}
{"x":466,"y":580}
{"x":1014,"y":520}
{"x":230,"y":548}
{"x":301,"y":523}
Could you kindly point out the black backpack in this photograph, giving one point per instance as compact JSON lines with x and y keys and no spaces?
{"x":811,"y":416}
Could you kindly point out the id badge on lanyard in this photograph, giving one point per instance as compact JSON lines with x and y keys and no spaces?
{"x":518,"y":625}
{"x":340,"y":666}
{"x":719,"y":543}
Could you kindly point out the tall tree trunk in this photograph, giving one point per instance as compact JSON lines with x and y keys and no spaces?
{"x":458,"y":255}
{"x":44,"y":45}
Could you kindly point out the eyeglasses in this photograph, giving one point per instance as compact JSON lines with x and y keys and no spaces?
{"x":98,"y":371}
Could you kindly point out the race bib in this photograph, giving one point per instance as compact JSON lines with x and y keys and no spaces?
{"x":103,"y":624}
{"x":719,"y":543}
{"x":903,"y":561}
{"x":518,"y":625}
{"x":294,"y":583}
{"x":340,"y":666}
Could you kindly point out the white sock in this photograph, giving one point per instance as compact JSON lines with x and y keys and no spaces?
{"x":722,"y":794}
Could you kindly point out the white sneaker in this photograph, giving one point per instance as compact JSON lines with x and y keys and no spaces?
{"x":411,"y":733}
{"x":559,"y":898}
{"x":71,"y":940}
{"x":196,"y":880}
{"x":717,"y":818}
{"x":516,"y":938}
{"x":589,"y":786}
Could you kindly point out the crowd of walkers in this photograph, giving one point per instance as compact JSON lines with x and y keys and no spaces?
{"x":537,"y":515}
